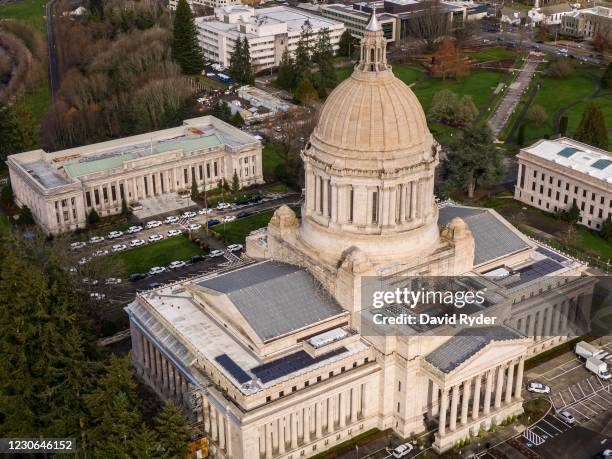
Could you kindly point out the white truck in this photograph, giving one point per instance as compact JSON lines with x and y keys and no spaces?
{"x":594,"y":365}
{"x":586,"y":350}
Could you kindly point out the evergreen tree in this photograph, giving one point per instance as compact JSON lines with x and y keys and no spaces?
{"x":473,"y":161}
{"x":305,"y":93}
{"x":25,"y":216}
{"x":172,"y":431}
{"x":345,"y":43}
{"x":303,"y":52}
{"x":44,"y":370}
{"x":93,"y":217}
{"x":13,"y":137}
{"x":563,"y":125}
{"x":194,"y":190}
{"x":6,"y":196}
{"x":125,"y":210}
{"x":235,"y":183}
{"x":606,"y":78}
{"x":185,"y":47}
{"x":286,"y":77}
{"x":237,"y":119}
{"x":466,"y":112}
{"x":606,"y":229}
{"x":520,"y":138}
{"x":221,"y":110}
{"x":592,"y":128}
{"x":324,"y":54}
{"x":247,"y":72}
{"x":573,"y":214}
{"x":145,"y":444}
{"x":236,"y":61}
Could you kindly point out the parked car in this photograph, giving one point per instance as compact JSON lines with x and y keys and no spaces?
{"x":402,"y":450}
{"x":136,"y":277}
{"x":189,"y":214}
{"x":97,"y":296}
{"x":215,"y":253}
{"x":605,"y":454}
{"x":112,"y":281}
{"x":255,"y":199}
{"x":538,"y":388}
{"x":243,"y":214}
{"x":100,"y":253}
{"x":157,"y":270}
{"x":229,"y":218}
{"x":196,"y":258}
{"x":234,"y":247}
{"x":114,"y":234}
{"x":96,"y":239}
{"x":84,"y":260}
{"x":134,"y":229}
{"x":119,"y":247}
{"x":155,"y":237}
{"x":153,"y":224}
{"x":176,"y":264}
{"x":88,"y":281}
{"x":567,"y":417}
{"x":137,"y":243}
{"x":194,"y":226}
{"x":205,"y":211}
{"x":242,"y":202}
{"x":171,"y":219}
{"x":223,"y":205}
{"x":213,"y":222}
{"x":174,"y":232}
{"x":78,"y":245}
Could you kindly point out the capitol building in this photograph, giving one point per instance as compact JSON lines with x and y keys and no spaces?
{"x":275,"y":356}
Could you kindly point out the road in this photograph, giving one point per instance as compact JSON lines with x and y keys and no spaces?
{"x":51,"y":49}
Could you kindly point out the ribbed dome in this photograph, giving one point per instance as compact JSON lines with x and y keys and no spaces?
{"x":372,"y":115}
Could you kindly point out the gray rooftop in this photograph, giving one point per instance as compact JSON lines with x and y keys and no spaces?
{"x":46,"y":175}
{"x":275,"y":298}
{"x":465,"y":344}
{"x":492,"y":237}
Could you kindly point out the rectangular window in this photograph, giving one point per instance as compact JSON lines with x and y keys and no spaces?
{"x":146,"y":185}
{"x":557,"y":198}
{"x":113,"y":192}
{"x":584,"y":192}
{"x":88,"y":198}
{"x":207,"y":170}
{"x":97,"y":197}
{"x":532,"y":186}
{"x":161,"y":182}
{"x":567,"y":187}
{"x":215,"y":168}
{"x":375,"y":207}
{"x":351,"y":199}
{"x":522,"y":183}
{"x":591,"y":209}
{"x":105,"y":194}
{"x":399,"y":386}
{"x":200,"y":170}
{"x":549,"y":192}
{"x":185,"y":175}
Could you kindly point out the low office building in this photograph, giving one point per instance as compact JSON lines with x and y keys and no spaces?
{"x":588,"y":23}
{"x":552,"y":174}
{"x":62,"y":187}
{"x":269,"y":32}
{"x":355,"y":18}
{"x":205,"y":3}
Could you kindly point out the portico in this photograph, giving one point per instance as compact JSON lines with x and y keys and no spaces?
{"x":483,"y":390}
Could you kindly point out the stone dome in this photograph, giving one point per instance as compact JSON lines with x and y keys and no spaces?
{"x":372,"y":115}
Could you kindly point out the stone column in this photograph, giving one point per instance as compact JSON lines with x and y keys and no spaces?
{"x":509,"y":382}
{"x":228,"y":436}
{"x":488,"y":387}
{"x":268,"y":440}
{"x":221,"y":430}
{"x":402,"y":202}
{"x":306,"y":424}
{"x":342,"y":410}
{"x":476,"y":400}
{"x":413,"y":200}
{"x":318,"y":420}
{"x":499,"y":386}
{"x":334,"y":203}
{"x":330,"y":414}
{"x":443,"y":408}
{"x":206,"y":409}
{"x":325,"y":185}
{"x":453,"y":411}
{"x":214,"y":431}
{"x":353,"y":405}
{"x":281,"y":435}
{"x":294,"y":430}
{"x":518,"y":383}
{"x":465,"y":398}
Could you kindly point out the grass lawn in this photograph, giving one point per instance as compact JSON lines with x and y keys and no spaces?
{"x":556,"y":93}
{"x":575,"y":113}
{"x":141,"y":259}
{"x":30,"y":11}
{"x":237,"y":231}
{"x":492,"y":54}
{"x":215,"y":84}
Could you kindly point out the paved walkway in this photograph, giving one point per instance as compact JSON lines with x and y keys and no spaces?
{"x":513,"y":95}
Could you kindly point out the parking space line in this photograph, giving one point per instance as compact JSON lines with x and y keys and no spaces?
{"x":592,"y":388}
{"x":579,"y":412}
{"x":605,"y":399}
{"x":537,"y":426}
{"x":562,"y":400}
{"x":554,"y":427}
{"x":584,"y":405}
{"x":599,"y":380}
{"x":572,"y":394}
{"x":583,"y":394}
{"x":564,"y":371}
{"x":592,"y":399}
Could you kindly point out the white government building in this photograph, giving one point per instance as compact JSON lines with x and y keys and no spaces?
{"x":273,"y":356}
{"x":207,"y":3}
{"x":62,"y":187}
{"x":552,"y":174}
{"x":269,"y":32}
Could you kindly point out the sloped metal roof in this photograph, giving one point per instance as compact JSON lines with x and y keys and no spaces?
{"x":465,"y":344}
{"x":493,"y":238}
{"x":275,"y":298}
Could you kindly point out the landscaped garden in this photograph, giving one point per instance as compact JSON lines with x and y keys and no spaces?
{"x":237,"y":231}
{"x":141,"y":259}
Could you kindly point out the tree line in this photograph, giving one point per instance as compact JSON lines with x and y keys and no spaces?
{"x":54,"y":380}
